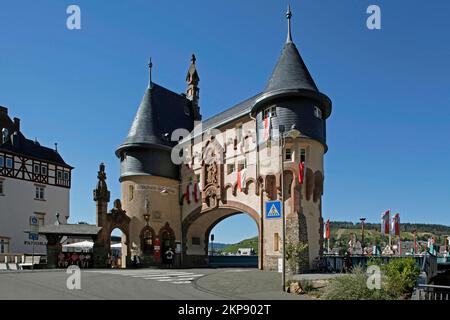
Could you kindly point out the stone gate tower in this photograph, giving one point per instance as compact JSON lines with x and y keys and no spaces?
{"x":269,"y":147}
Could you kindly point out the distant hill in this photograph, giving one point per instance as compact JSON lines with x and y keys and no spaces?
{"x":341,"y":230}
{"x":247,"y":243}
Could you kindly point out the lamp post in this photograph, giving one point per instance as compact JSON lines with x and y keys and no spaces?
{"x":362,"y":231}
{"x":292,"y":133}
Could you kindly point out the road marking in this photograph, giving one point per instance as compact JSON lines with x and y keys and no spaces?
{"x":167,"y":276}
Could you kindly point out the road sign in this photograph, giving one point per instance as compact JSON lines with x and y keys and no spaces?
{"x":34,"y":221}
{"x":33,"y":236}
{"x":273,"y":209}
{"x":34,"y":229}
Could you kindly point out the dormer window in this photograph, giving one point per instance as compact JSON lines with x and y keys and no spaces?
{"x":318,"y":112}
{"x":270,"y":112}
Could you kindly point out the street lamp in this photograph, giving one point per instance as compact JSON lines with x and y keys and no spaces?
{"x":292,"y":133}
{"x":362,"y":231}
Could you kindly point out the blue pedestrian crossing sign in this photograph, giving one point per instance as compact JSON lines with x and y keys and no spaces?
{"x":273,"y":209}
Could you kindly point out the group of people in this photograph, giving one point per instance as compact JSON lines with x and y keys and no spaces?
{"x":113,"y":261}
{"x":82,"y":260}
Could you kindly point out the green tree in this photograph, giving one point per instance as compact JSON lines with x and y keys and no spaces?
{"x":295,"y":255}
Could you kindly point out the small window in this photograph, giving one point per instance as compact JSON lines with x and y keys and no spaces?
{"x":239,"y":132}
{"x":130,"y":192}
{"x":2,"y":190}
{"x":36,"y":169}
{"x":66,"y":176}
{"x":276,"y":242}
{"x":269,"y":148}
{"x":9,"y":163}
{"x":270,"y":112}
{"x":317,"y":112}
{"x":40,"y":193}
{"x":196,"y":241}
{"x":44,"y":170}
{"x":242,"y":165}
{"x":59,"y":175}
{"x":230,"y":168}
{"x":287,"y":154}
{"x":2,"y":161}
{"x":302,"y":155}
{"x":4,"y":245}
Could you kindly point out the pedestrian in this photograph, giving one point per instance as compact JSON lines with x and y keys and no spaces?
{"x":169,"y":257}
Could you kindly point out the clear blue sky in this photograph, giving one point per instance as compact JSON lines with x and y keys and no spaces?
{"x":387,"y":136}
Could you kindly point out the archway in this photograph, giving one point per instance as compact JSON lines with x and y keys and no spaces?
{"x":197,"y":227}
{"x":118,"y":248}
{"x":233,"y":242}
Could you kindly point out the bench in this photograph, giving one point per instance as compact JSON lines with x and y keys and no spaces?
{"x":30,"y":261}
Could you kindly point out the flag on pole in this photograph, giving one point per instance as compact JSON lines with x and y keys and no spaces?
{"x":301,"y":172}
{"x":267,"y":125}
{"x":326,"y":234}
{"x":196,"y":192}
{"x":241,"y":175}
{"x":385,"y":222}
{"x":395,"y":225}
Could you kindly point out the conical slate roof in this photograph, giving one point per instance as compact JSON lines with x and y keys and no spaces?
{"x":145,"y":128}
{"x":290,"y":72}
{"x":160,"y":112}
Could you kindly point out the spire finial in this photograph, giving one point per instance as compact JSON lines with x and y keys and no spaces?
{"x":150,"y":66}
{"x":193,"y":59}
{"x":289,"y":16}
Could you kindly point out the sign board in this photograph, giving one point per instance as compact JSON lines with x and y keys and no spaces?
{"x":34,"y":229}
{"x":273,"y":209}
{"x":178,"y":248}
{"x":280,"y":265}
{"x":33,"y":236}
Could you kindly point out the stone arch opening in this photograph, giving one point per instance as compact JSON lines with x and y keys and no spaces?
{"x":117,"y":244}
{"x":198,"y":225}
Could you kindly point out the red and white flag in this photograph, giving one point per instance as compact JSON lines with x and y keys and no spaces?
{"x":326,"y":234}
{"x":385,"y":222}
{"x":241,"y":179}
{"x":395,"y":225}
{"x":301,"y":172}
{"x":267,"y":125}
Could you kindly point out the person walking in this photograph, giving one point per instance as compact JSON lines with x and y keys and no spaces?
{"x":169,"y":257}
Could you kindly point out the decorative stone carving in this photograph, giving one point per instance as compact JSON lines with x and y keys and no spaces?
{"x":101,"y":193}
{"x":117,"y":207}
{"x":212,"y":173}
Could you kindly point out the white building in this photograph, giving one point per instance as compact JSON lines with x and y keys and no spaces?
{"x":34,"y":181}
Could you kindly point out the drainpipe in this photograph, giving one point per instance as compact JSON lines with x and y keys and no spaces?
{"x":261,"y":226}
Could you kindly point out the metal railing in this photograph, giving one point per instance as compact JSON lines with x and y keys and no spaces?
{"x":433,"y":292}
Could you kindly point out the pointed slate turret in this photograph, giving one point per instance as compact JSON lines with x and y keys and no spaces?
{"x":145,"y":128}
{"x":146,"y":150}
{"x":291,"y":76}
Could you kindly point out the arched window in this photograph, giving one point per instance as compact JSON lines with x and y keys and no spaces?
{"x":147,"y":237}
